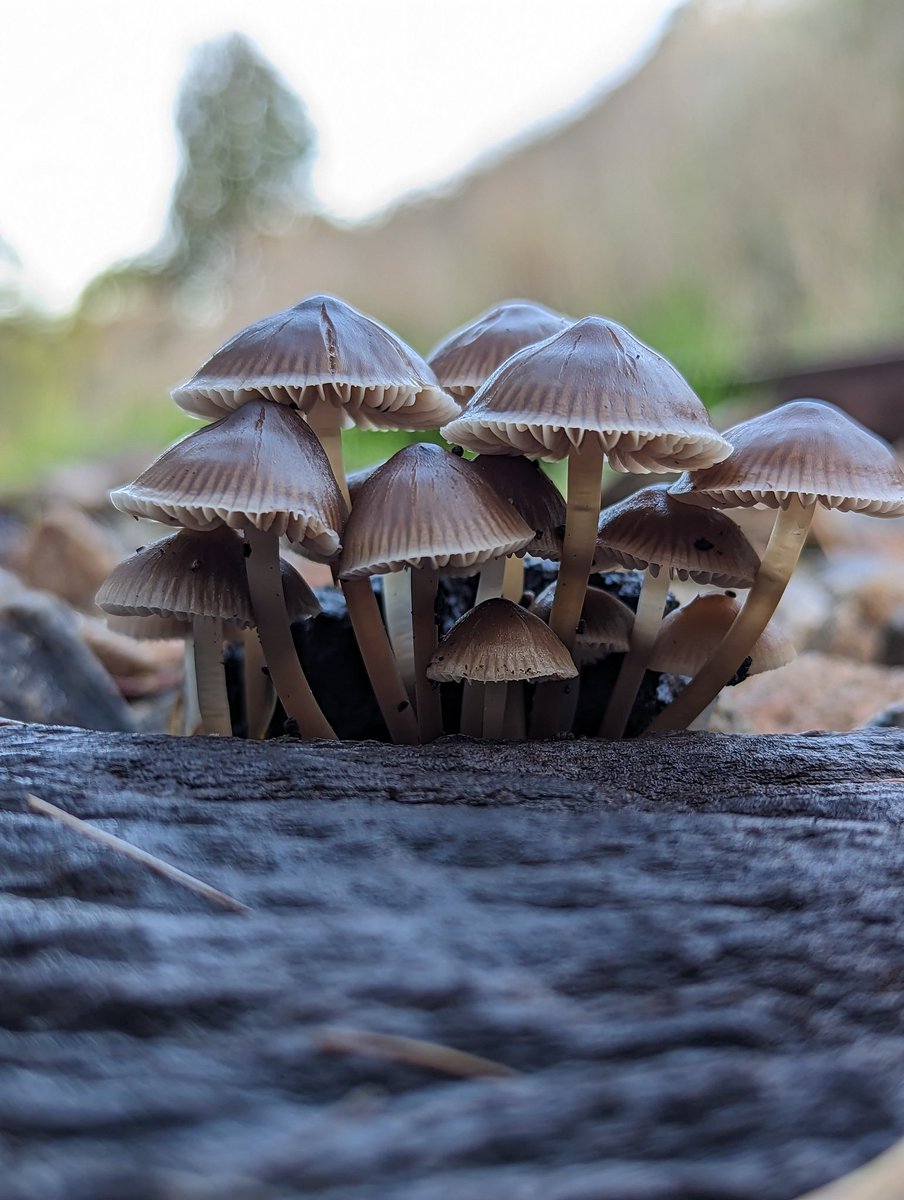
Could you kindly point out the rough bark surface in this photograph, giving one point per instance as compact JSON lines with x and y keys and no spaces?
{"x":689,"y":947}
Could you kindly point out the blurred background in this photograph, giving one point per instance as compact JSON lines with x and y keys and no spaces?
{"x":725,"y":177}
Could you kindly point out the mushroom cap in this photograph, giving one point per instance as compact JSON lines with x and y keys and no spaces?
{"x":605,"y":626}
{"x":806,"y":448}
{"x":690,"y":634}
{"x":520,"y":481}
{"x":426,"y":507}
{"x":592,"y":380}
{"x":189,"y":574}
{"x":653,"y":529}
{"x":500,"y":642}
{"x":466,"y":358}
{"x":260,"y":466}
{"x":321,"y":349}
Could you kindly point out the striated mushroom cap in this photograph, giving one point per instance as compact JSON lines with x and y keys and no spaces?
{"x":500,"y":642}
{"x":260,"y":466}
{"x":808,"y":449}
{"x":520,"y":481}
{"x":594,"y":379}
{"x":653,"y":529}
{"x":605,"y":626}
{"x":189,"y":574}
{"x":689,"y":636}
{"x":465,"y":359}
{"x":321,"y":350}
{"x":426,"y":507}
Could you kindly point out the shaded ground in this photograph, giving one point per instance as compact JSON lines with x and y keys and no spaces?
{"x":689,"y":947}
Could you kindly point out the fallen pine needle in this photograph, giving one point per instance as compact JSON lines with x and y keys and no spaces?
{"x":413,"y":1051}
{"x":157,"y":865}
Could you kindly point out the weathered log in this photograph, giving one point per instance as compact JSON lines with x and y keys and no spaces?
{"x":689,"y":948}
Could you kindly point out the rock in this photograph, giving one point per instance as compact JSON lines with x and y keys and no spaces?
{"x":816,"y":691}
{"x":48,"y":674}
{"x":687,"y":947}
{"x":68,"y":554}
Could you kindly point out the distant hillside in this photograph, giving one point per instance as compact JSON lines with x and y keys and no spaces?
{"x":740,"y":199}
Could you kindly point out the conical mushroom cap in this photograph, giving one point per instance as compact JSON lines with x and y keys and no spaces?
{"x":468,"y":357}
{"x":321,"y":350}
{"x":594,"y":379}
{"x":605,"y":626}
{"x":260,"y":466}
{"x":188,"y":574}
{"x":690,"y":634}
{"x":427,"y":507}
{"x":520,"y":481}
{"x":500,"y":642}
{"x":808,"y":449}
{"x":654,"y":529}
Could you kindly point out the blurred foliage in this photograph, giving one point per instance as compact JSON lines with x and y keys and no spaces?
{"x":736,"y":202}
{"x":246,"y":147}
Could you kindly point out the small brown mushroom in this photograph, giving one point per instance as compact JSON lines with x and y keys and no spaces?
{"x":495,"y":644}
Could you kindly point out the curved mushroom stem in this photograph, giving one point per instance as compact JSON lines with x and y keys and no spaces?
{"x":260,"y":695}
{"x":424,"y":582}
{"x":654,"y":592}
{"x":494,"y":697}
{"x":269,"y":607}
{"x":585,"y":481}
{"x":788,"y":536}
{"x":207,"y":634}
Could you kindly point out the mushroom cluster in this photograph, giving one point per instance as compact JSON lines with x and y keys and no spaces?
{"x":518,"y":384}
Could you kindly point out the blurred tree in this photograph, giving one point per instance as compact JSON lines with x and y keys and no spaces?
{"x":246,"y":145}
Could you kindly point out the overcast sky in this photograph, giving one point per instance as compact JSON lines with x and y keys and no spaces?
{"x":403,"y":94}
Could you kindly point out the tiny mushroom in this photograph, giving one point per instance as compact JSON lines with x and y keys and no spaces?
{"x":495,"y":644}
{"x":804,"y":453}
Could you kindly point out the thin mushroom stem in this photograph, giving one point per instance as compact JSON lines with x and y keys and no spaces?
{"x":472,"y":709}
{"x":788,"y":536}
{"x":207,"y":635}
{"x":269,"y":607}
{"x":515,"y":726}
{"x":326,"y":421}
{"x":379,"y":661}
{"x":397,"y":615}
{"x":494,"y":697}
{"x":585,"y":481}
{"x":654,"y":592}
{"x":424,"y":582}
{"x":260,"y":696}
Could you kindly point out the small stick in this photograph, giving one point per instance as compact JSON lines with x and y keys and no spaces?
{"x":414,"y":1051}
{"x":157,"y":865}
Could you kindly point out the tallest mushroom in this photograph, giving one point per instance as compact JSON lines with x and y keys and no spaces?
{"x":337,"y":366}
{"x":590,"y":392}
